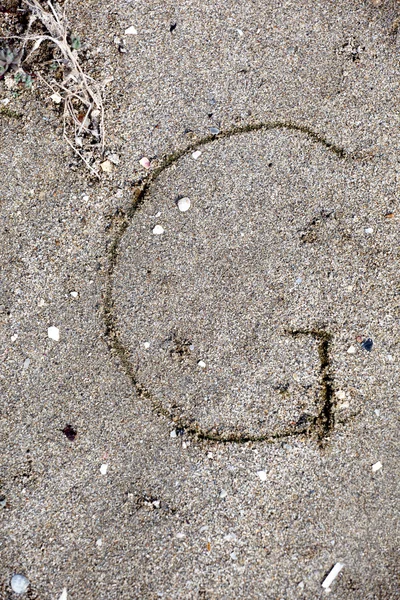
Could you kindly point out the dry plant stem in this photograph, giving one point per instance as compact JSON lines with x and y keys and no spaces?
{"x":76,"y":84}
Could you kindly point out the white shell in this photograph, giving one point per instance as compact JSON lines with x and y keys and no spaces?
{"x":202,"y":364}
{"x":158,"y":230}
{"x":54,"y":333}
{"x":19,"y":584}
{"x":196,"y":154}
{"x":131,"y":31}
{"x":145,"y":162}
{"x":184,"y":204}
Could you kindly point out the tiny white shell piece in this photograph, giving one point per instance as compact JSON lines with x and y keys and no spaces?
{"x":332,"y":575}
{"x":147,"y":345}
{"x":158,"y":230}
{"x":145,"y":162}
{"x":351,"y":350}
{"x":262,"y":475}
{"x":56,"y":98}
{"x":340,"y":394}
{"x":19,"y":584}
{"x":103,"y":469}
{"x":106,"y":166}
{"x":64,"y":594}
{"x":369,"y":230}
{"x":377,"y":466}
{"x":184,"y":204}
{"x":196,"y":154}
{"x":131,"y":31}
{"x":202,"y":364}
{"x":54,"y":333}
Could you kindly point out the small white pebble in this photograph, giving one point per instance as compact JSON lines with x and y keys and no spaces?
{"x":210,"y":455}
{"x":99,"y":543}
{"x":202,"y":364}
{"x":185,"y":445}
{"x":41,"y":302}
{"x":180,"y":536}
{"x":184,"y":204}
{"x":146,"y":345}
{"x":156,"y":503}
{"x":14,"y":337}
{"x":233,"y":556}
{"x":74,"y":294}
{"x":131,"y":31}
{"x":85,"y":198}
{"x":332,"y":575}
{"x":54,"y":333}
{"x":114,"y":158}
{"x":106,"y":166}
{"x":262,"y":475}
{"x":377,"y":466}
{"x":340,"y":394}
{"x":173,"y":434}
{"x":145,"y":162}
{"x":240,"y":32}
{"x":369,"y":230}
{"x":377,"y":412}
{"x":223,"y":494}
{"x":19,"y":584}
{"x":103,"y":469}
{"x":56,"y":98}
{"x":196,"y":154}
{"x":344,"y":405}
{"x":301,"y":585}
{"x":27,"y":362}
{"x":390,"y":358}
{"x":351,"y":350}
{"x":64,"y":594}
{"x":158,"y":230}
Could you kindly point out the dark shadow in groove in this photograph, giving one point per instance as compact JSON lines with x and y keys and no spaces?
{"x":323,"y":424}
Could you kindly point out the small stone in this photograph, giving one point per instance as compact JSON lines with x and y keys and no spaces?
{"x":131,"y":31}
{"x":262,"y":475}
{"x":340,"y":394}
{"x":233,"y":556}
{"x":202,"y":364}
{"x":64,"y":594}
{"x":223,"y":494}
{"x":145,"y":162}
{"x":369,"y":230}
{"x":3,"y":501}
{"x":240,"y":32}
{"x":69,"y":432}
{"x":19,"y":584}
{"x":156,"y":503}
{"x":74,"y":294}
{"x":106,"y":166}
{"x":99,"y":543}
{"x":114,"y":158}
{"x":173,"y":434}
{"x":56,"y":98}
{"x":367,"y":344}
{"x":196,"y":154}
{"x":158,"y":230}
{"x":41,"y":302}
{"x":54,"y":333}
{"x":180,"y":536}
{"x":214,"y":130}
{"x":351,"y":350}
{"x":14,"y":337}
{"x":103,"y":469}
{"x":301,"y":585}
{"x":184,"y":204}
{"x":27,"y":362}
{"x":377,"y":412}
{"x":146,"y":345}
{"x":377,"y":466}
{"x":210,"y":455}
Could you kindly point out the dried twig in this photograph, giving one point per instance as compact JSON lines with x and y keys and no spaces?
{"x":83,"y":115}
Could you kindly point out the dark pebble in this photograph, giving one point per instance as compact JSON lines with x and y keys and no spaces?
{"x":367,"y":344}
{"x":69,"y":432}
